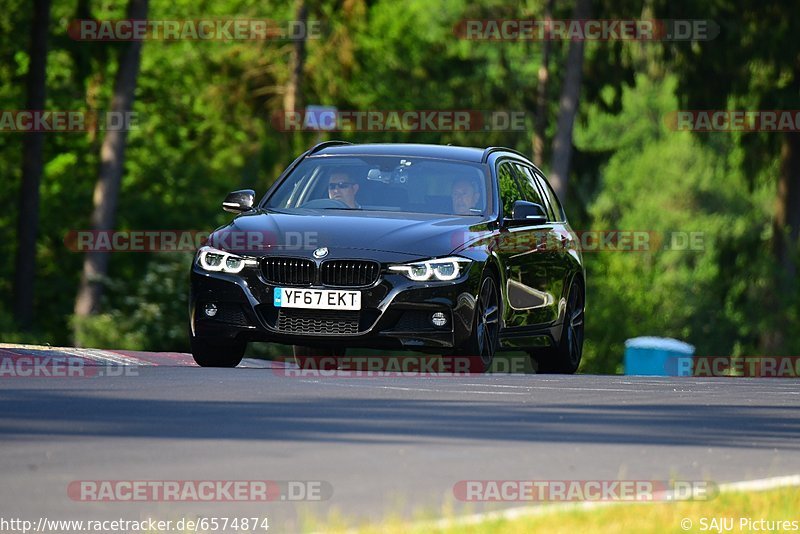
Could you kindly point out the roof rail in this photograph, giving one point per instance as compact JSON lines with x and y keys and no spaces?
{"x":326,"y":144}
{"x":491,"y":149}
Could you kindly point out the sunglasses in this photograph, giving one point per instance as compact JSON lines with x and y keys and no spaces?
{"x":339,"y":185}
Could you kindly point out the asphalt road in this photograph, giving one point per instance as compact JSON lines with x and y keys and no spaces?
{"x":381,"y":445}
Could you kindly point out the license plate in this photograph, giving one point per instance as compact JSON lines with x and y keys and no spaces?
{"x":317,"y":299}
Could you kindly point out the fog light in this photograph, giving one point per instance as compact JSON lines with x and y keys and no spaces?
{"x":439,"y":319}
{"x":211,"y":310}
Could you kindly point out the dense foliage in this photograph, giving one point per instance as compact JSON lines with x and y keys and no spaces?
{"x":204,"y":129}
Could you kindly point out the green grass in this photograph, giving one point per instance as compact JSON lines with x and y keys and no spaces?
{"x":641,"y":518}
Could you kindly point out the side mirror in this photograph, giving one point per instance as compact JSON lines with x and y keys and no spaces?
{"x":524,"y":212}
{"x":239,"y":201}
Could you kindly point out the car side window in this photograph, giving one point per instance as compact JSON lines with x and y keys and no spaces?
{"x":527,"y":177}
{"x":528,"y":185}
{"x":558,"y":210}
{"x":509,"y":188}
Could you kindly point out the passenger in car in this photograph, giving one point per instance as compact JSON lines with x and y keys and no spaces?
{"x":465,"y":195}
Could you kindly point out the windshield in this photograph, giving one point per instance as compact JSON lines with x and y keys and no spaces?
{"x":385,"y":183}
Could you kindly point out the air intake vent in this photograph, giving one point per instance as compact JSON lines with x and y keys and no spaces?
{"x":319,"y":322}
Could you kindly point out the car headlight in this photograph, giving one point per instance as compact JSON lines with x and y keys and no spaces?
{"x":442,"y":269}
{"x":215,"y":260}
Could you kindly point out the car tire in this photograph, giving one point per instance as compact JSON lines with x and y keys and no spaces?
{"x":565,"y":357}
{"x":217,"y":354}
{"x":485,"y":338}
{"x":302,"y":352}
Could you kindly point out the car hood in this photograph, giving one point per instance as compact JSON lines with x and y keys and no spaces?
{"x":301,"y":232}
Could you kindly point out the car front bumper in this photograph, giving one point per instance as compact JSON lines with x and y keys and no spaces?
{"x":395,"y":313}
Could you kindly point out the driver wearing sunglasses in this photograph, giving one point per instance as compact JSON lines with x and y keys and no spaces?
{"x":342,"y":188}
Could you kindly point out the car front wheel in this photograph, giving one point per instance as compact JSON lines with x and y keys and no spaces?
{"x":208,"y":353}
{"x":486,"y":327}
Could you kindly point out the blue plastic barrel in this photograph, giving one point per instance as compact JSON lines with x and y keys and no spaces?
{"x":655,"y":356}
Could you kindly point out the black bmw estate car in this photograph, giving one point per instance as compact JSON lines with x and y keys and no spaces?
{"x":440,"y":249}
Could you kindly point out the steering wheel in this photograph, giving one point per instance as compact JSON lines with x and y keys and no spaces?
{"x":325,"y":203}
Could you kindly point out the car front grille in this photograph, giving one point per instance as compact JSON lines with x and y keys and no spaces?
{"x":289,"y":271}
{"x":349,"y":273}
{"x":333,"y":322}
{"x":335,"y":273}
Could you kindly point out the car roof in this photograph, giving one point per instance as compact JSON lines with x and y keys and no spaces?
{"x":461,"y":153}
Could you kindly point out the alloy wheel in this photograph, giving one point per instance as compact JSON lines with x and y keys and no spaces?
{"x":488,"y":317}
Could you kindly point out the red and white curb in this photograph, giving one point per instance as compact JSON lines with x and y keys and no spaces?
{"x":100,"y":357}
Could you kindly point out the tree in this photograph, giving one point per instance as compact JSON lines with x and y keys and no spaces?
{"x":568,"y":108}
{"x":540,"y":120}
{"x":753,"y":64}
{"x":112,"y":158}
{"x":293,"y":98}
{"x":32,"y":163}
